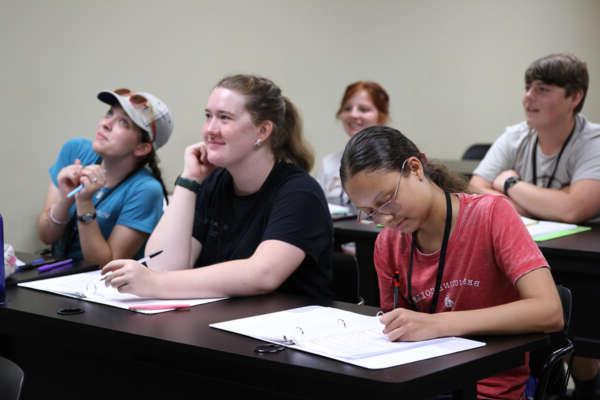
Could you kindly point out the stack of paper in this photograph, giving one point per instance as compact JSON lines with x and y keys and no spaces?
{"x":342,"y":335}
{"x":546,"y":230}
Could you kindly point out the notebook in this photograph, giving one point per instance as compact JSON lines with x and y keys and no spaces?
{"x":341,"y":335}
{"x":88,"y":286}
{"x":546,"y":230}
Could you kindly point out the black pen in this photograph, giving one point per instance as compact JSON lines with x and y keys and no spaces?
{"x":144,"y":260}
{"x":396,"y":288}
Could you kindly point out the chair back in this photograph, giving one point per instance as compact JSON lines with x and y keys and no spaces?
{"x":346,"y":278}
{"x":11,"y":379}
{"x":562,"y":348}
{"x":566,"y":298}
{"x":476,"y":151}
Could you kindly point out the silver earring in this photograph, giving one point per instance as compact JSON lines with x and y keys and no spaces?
{"x":257,"y":143}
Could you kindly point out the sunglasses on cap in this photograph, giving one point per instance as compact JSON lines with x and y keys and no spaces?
{"x":142,"y":104}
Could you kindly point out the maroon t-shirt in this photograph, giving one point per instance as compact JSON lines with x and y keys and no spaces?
{"x":488,"y":250}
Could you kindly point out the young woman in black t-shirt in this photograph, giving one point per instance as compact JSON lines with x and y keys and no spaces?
{"x":244,"y":208}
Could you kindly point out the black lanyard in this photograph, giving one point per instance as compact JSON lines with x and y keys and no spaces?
{"x":534,"y":158}
{"x":441,"y":263}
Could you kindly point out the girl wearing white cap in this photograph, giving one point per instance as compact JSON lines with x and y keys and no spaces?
{"x":245,"y":218}
{"x":106,"y":196}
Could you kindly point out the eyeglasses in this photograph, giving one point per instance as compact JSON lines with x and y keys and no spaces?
{"x":142,"y":104}
{"x":384,"y":209}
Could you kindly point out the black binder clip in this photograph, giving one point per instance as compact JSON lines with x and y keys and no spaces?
{"x":268,"y":348}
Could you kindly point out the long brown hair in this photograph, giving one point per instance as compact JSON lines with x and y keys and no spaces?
{"x":265,"y":102}
{"x":152,"y":160}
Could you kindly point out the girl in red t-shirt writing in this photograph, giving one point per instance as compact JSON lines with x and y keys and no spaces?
{"x":445,"y":250}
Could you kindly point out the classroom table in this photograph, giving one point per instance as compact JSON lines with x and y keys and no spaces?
{"x":574,"y":261}
{"x":107,"y":352}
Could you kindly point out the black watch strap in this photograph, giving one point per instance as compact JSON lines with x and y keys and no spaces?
{"x":189,"y":184}
{"x":87,"y":217}
{"x":510,"y":182}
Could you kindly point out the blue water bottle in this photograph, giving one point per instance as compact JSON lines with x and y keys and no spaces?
{"x":2,"y":283}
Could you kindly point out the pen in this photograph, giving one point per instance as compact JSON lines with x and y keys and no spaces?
{"x":176,"y":307}
{"x":142,"y":261}
{"x":396,"y":288}
{"x":38,"y":262}
{"x":75,"y":191}
{"x":48,"y":267}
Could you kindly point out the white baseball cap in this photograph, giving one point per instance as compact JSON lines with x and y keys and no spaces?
{"x":146,"y":110}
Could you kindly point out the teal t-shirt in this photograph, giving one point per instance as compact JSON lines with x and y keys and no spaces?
{"x":136,"y":203}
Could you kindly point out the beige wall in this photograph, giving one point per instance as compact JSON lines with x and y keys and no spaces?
{"x":453,"y":69}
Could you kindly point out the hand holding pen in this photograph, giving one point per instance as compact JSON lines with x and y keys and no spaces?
{"x":131,"y":276}
{"x":404,"y":325}
{"x":68,"y":179}
{"x":76,"y":178}
{"x":92,"y":178}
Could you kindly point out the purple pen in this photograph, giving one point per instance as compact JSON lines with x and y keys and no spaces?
{"x":48,"y":267}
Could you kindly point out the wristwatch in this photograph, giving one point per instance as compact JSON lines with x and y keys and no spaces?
{"x":510,"y":182}
{"x":189,"y":184}
{"x":87,"y":217}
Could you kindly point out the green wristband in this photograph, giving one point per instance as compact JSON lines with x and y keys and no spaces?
{"x":189,"y":184}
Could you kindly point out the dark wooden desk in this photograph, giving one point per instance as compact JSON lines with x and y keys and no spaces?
{"x":575,"y":263}
{"x":107,"y":352}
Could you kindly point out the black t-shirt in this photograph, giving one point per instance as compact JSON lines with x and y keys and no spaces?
{"x":290,"y":206}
